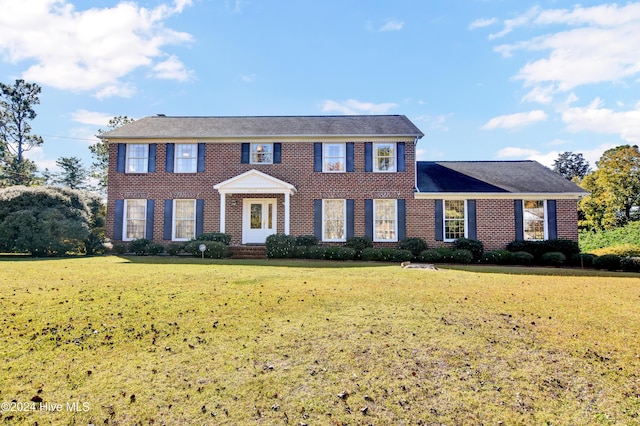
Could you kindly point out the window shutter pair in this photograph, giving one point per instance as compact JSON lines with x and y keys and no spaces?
{"x":168,"y":218}
{"x":246,"y":152}
{"x":122,"y":158}
{"x":551,"y":219}
{"x":317,"y":157}
{"x":401,"y":215}
{"x":472,"y":231}
{"x":118,"y":224}
{"x":317,"y":219}
{"x":170,"y":157}
{"x":401,"y":163}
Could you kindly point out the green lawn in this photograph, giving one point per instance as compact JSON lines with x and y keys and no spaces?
{"x":184,"y":341}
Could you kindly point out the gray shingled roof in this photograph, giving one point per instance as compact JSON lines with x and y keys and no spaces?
{"x":205,"y":127}
{"x":491,"y":177}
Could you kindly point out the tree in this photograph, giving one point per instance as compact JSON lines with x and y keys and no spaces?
{"x":74,"y":175}
{"x":571,"y":166}
{"x":16,"y":111}
{"x":49,"y":221}
{"x":614,"y":188}
{"x":100,"y":151}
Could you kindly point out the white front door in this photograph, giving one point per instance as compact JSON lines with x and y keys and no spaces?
{"x":259,"y":219}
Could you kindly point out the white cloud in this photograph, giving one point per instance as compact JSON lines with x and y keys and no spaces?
{"x":90,"y":117}
{"x":481,"y":23}
{"x":77,"y":50}
{"x":248,"y":78}
{"x":392,"y":25}
{"x":519,"y":21}
{"x":513,"y":121}
{"x":354,"y":107}
{"x":595,"y":118}
{"x":172,"y":69}
{"x":510,"y":152}
{"x":548,"y":158}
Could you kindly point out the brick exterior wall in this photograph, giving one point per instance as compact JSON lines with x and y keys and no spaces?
{"x":495,"y":217}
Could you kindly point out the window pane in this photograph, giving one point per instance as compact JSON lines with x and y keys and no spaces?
{"x":137,"y":158}
{"x":454,"y":219}
{"x":385,"y":220}
{"x":384,"y":157}
{"x":333,"y":157}
{"x":261,"y":153}
{"x":184,"y":219}
{"x":186,"y":158}
{"x":533,"y":220}
{"x":334,"y":220}
{"x":135,"y":219}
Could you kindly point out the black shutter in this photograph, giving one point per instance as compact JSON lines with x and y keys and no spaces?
{"x":402,"y":220}
{"x":350,"y":160}
{"x":350,"y":218}
{"x":170,"y":155}
{"x":152,"y":158}
{"x":552,"y":220}
{"x":168,"y":219}
{"x":122,"y":158}
{"x":368,"y":157}
{"x":400,"y":154}
{"x":202,"y":149}
{"x":368,"y":218}
{"x":317,"y":219}
{"x":245,"y":154}
{"x":519,"y":218}
{"x":277,"y":153}
{"x":199,"y":217}
{"x":118,"y":219}
{"x":317,"y":157}
{"x":150,"y":213}
{"x":439,"y":220}
{"x":472,"y":232}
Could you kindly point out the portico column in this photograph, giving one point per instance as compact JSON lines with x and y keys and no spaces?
{"x":286,"y":213}
{"x":223,"y":205}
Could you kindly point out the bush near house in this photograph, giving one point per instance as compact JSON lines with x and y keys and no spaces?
{"x":497,"y":257}
{"x":415,"y":245}
{"x":214,"y":249}
{"x":538,"y":248}
{"x":215,"y":236}
{"x":280,"y":246}
{"x":522,"y":258}
{"x":610,"y":262}
{"x":630,"y":264}
{"x":553,"y":258}
{"x":474,"y":246}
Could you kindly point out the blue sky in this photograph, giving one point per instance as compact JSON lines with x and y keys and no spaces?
{"x":483,"y":79}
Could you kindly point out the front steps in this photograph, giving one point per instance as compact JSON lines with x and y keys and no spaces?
{"x":248,"y":252}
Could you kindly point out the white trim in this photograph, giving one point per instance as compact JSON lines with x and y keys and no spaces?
{"x":344,"y":220}
{"x":175,"y":158}
{"x":125,"y":219}
{"x":173,"y":220}
{"x":444,"y":220}
{"x":127,"y":158}
{"x":251,"y":153}
{"x":497,"y":196}
{"x":394,"y":156}
{"x":246,"y":219}
{"x":395,"y":222}
{"x":545,"y":220}
{"x":325,"y":156}
{"x":254,"y":182}
{"x":269,"y":139}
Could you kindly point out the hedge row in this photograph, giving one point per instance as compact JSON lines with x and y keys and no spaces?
{"x":216,"y":243}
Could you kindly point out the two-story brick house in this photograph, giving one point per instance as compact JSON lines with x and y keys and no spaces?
{"x":172,"y":178}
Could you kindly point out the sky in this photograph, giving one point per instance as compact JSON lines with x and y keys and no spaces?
{"x":482,"y":79}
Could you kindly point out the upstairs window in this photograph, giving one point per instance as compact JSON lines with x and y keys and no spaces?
{"x":137,"y":158}
{"x":135,"y":219}
{"x":261,"y":153}
{"x":454,"y":219}
{"x":534,"y":220}
{"x":333,"y":157}
{"x":384,"y":157}
{"x":186,"y":158}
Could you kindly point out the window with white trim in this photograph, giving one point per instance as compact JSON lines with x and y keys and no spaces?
{"x":534,"y":220}
{"x":135,"y":219}
{"x":186,"y":158}
{"x":454,"y":219}
{"x":137,"y":158}
{"x":384,"y":157}
{"x":334,"y":214}
{"x":333,"y":157}
{"x":385,"y":220}
{"x":184,"y":220}
{"x":261,"y":153}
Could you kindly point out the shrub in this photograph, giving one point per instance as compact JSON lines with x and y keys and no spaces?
{"x":461,"y":256}
{"x":632,"y":250}
{"x":359,"y":244}
{"x":584,"y":260}
{"x":415,"y":245}
{"x":522,"y":258}
{"x":215,"y":236}
{"x":441,"y":254}
{"x":498,"y":257}
{"x":139,"y":246}
{"x":387,"y":254}
{"x":474,"y":246}
{"x":315,"y":252}
{"x":630,"y":264}
{"x":280,"y":246}
{"x":306,"y":240}
{"x":174,"y":248}
{"x":370,"y":254}
{"x":627,"y":234}
{"x":155,"y":249}
{"x":301,"y":252}
{"x":553,"y":258}
{"x":120,"y":248}
{"x":609,"y":262}
{"x":214,"y":249}
{"x":339,"y":253}
{"x":567,"y":247}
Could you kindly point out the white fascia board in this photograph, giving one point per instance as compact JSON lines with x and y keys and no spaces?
{"x":498,"y":196}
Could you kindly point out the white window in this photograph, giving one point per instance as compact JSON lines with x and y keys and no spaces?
{"x":184,"y":220}
{"x":333,"y":157}
{"x":385,"y":220}
{"x":261,"y":153}
{"x":534,"y":220}
{"x":137,"y":158}
{"x":384,"y":157}
{"x":135,"y":219}
{"x":334,"y":213}
{"x":186,"y":158}
{"x":454,"y":219}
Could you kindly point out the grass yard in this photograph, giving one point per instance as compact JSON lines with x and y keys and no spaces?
{"x":139,"y":341}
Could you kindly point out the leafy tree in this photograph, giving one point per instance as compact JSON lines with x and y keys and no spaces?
{"x":16,"y":111}
{"x":571,"y":166}
{"x":74,"y":175}
{"x":100,"y":151}
{"x":614,"y":189}
{"x":48,"y":221}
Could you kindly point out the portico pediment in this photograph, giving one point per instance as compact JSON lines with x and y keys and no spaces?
{"x":254,"y":182}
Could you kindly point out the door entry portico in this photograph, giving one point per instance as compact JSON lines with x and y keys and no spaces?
{"x":259,"y":220}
